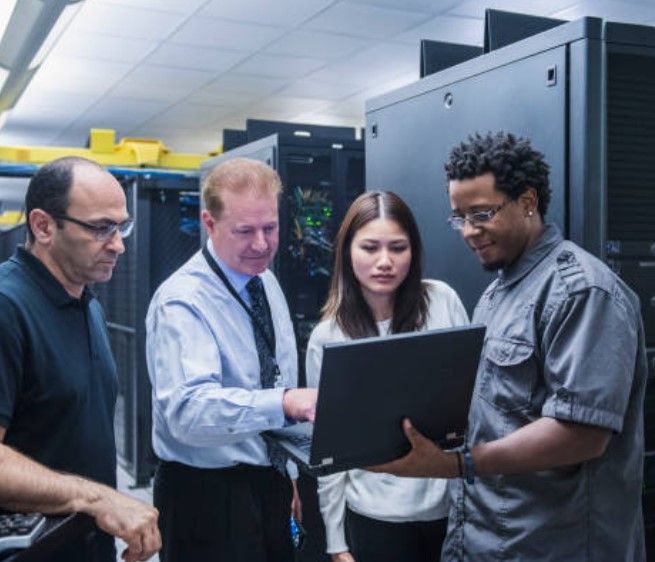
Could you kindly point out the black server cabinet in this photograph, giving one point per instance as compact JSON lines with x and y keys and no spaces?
{"x":14,"y":178}
{"x":10,"y":238}
{"x":584,"y":92}
{"x":320,"y":178}
{"x":165,"y":206}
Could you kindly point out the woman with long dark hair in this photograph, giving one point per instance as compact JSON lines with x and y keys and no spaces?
{"x":377,"y":289}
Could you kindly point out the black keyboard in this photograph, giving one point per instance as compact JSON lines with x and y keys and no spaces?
{"x":301,"y":441}
{"x":19,"y":530}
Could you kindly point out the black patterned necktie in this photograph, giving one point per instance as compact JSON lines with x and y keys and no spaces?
{"x":262,"y":325}
{"x":264,"y":333}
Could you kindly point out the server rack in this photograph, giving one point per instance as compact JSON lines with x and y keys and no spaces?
{"x":10,"y":238}
{"x":166,"y":234}
{"x":13,"y":185}
{"x":321,"y":177}
{"x":584,"y":92}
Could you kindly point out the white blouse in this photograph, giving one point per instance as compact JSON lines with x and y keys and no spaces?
{"x":381,"y":496}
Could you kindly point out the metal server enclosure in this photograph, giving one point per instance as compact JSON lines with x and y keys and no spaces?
{"x":166,"y":234}
{"x":584,"y":92}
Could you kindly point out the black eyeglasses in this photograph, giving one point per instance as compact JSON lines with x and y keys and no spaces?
{"x":477,"y":218}
{"x":106,"y":230}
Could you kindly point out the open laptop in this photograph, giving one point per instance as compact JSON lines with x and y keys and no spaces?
{"x":369,"y":385}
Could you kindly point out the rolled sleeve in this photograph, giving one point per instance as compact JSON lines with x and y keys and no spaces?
{"x":589,"y":349}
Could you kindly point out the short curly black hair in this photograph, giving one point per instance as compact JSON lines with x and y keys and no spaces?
{"x":516,"y":166}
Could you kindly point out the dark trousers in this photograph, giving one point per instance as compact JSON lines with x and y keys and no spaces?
{"x":223,"y":515}
{"x":371,"y":540}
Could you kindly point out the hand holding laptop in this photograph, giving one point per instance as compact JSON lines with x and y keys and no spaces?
{"x":425,"y":459}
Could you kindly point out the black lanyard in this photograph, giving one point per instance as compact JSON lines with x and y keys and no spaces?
{"x":256,"y":321}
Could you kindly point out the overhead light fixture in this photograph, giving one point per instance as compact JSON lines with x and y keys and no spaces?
{"x":28,"y":30}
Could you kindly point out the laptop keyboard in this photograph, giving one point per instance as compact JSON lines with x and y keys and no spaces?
{"x":19,"y":530}
{"x":303,"y":442}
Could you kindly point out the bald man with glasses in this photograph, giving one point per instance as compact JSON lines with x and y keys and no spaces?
{"x":58,"y":380}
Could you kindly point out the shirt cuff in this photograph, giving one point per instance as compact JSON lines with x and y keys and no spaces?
{"x":268,"y":403}
{"x":292,"y":470}
{"x":563,"y":406}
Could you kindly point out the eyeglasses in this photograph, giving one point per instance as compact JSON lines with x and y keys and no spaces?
{"x":105,"y":231}
{"x":475,"y":219}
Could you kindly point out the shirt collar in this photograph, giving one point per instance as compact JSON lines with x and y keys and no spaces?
{"x":237,"y":279}
{"x":548,"y":239}
{"x":51,"y":287}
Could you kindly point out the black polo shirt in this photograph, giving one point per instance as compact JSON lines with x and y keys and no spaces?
{"x":57,"y":375}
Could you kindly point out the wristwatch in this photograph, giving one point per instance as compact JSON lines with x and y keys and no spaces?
{"x":469,"y":467}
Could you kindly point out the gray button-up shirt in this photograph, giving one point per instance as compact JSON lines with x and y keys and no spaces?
{"x":564,"y":340}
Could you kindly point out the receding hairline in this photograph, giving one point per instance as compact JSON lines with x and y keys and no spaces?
{"x":242,"y":176}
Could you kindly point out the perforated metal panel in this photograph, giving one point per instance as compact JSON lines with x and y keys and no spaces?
{"x":166,"y":234}
{"x":9,"y":239}
{"x":631,"y":146}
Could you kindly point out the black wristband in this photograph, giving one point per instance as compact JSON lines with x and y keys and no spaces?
{"x":460,"y":469}
{"x":469,"y":467}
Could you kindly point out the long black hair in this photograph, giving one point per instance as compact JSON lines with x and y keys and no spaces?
{"x":345,"y":302}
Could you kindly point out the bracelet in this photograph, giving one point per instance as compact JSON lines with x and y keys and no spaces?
{"x":469,"y":467}
{"x":460,"y":470}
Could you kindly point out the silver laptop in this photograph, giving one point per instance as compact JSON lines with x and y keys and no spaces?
{"x":369,"y":385}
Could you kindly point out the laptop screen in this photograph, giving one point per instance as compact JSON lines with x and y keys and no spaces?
{"x":369,"y":385}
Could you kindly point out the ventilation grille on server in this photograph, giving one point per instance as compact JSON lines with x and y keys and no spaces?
{"x":631,"y":147}
{"x":174,"y":232}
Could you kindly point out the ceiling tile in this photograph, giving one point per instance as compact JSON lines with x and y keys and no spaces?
{"x":224,"y":34}
{"x":69,"y":74}
{"x":278,"y":66}
{"x":283,"y":108}
{"x":452,"y":29}
{"x":33,"y":134}
{"x":316,"y":44}
{"x":54,"y":101}
{"x":262,"y":85}
{"x":428,"y":6}
{"x":192,"y":140}
{"x":89,"y":45}
{"x":318,"y":90}
{"x":190,"y":115}
{"x":363,"y":20}
{"x":195,"y":58}
{"x":325,"y":118}
{"x":349,"y":109}
{"x":381,"y":63}
{"x":122,"y":21}
{"x":281,"y":13}
{"x":476,"y":8}
{"x":119,"y":113}
{"x":160,"y":83}
{"x":610,"y":10}
{"x":218,"y":96}
{"x":176,"y":6}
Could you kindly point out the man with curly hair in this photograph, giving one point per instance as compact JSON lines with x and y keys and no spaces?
{"x":553,"y":463}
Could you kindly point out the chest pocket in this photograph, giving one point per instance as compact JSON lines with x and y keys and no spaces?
{"x":509,"y":373}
